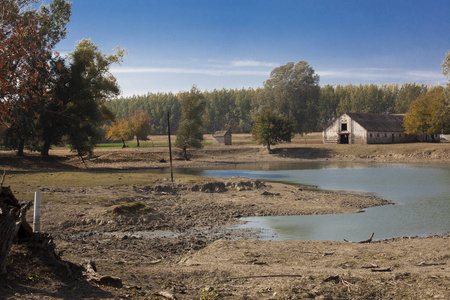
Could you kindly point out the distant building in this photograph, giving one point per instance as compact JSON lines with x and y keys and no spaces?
{"x":359,"y":128}
{"x":221,"y":138}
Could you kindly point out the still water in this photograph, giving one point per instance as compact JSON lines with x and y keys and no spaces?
{"x":421,"y":194}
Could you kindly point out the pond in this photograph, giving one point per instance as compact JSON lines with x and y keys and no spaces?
{"x":421,"y":194}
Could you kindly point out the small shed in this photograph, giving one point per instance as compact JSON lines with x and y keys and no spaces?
{"x":221,"y":138}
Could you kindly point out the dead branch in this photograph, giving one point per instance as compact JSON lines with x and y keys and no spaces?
{"x":369,"y":240}
{"x":266,"y":276}
{"x":347,"y":284}
{"x":388,"y":269}
{"x":424,"y":264}
{"x":372,"y":266}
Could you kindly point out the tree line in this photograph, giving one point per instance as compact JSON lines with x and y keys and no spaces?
{"x":236,"y":109}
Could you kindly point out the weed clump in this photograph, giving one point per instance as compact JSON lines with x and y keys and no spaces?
{"x":131,"y":208}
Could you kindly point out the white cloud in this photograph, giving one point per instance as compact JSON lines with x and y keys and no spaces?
{"x":382,"y":75}
{"x":253,"y":63}
{"x":209,"y":67}
{"x":210,"y":72}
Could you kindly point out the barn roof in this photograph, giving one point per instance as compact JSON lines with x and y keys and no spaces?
{"x":379,"y":122}
{"x":221,"y":133}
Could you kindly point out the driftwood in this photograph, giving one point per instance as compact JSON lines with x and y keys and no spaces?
{"x":93,"y":276}
{"x":369,"y":240}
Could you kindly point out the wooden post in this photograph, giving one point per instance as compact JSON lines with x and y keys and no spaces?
{"x":170,"y":146}
{"x":37,"y":212}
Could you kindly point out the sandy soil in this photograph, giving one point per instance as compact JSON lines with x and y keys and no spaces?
{"x":180,"y":246}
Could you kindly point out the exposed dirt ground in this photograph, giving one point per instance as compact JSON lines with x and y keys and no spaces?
{"x":172,"y":240}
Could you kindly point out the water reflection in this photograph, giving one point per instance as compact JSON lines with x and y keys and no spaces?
{"x":422,"y":194}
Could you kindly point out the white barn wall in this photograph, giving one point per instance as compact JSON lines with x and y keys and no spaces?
{"x":358,"y":135}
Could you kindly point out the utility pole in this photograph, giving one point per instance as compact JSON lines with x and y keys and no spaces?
{"x":170,"y":146}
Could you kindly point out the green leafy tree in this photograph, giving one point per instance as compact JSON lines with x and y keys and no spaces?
{"x":424,"y":116}
{"x":190,"y":131}
{"x":53,"y":122}
{"x":91,"y":84}
{"x":293,"y":90}
{"x":272,"y":128}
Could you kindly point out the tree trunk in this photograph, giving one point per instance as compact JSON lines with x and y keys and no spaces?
{"x":12,"y":219}
{"x":123,"y":144}
{"x":20,"y":147}
{"x":45,"y":148}
{"x":268,"y":149}
{"x":137,"y":140}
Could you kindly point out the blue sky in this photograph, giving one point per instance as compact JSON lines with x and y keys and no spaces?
{"x":232,"y":44}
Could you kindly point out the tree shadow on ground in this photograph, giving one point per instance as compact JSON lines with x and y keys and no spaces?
{"x":34,"y":162}
{"x":302,"y":153}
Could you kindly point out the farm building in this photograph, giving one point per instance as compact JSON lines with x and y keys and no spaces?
{"x":221,"y":138}
{"x":359,"y":128}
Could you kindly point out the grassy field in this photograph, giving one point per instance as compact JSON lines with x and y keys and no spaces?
{"x":238,"y":139}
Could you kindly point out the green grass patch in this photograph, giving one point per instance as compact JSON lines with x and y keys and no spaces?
{"x":119,"y":145}
{"x":131,"y":208}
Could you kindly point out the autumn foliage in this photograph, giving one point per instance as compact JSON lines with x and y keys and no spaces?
{"x":23,"y":57}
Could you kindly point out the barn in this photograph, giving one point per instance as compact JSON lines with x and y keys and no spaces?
{"x":360,"y":128}
{"x":221,"y":138}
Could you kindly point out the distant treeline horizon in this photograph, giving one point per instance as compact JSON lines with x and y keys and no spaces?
{"x":236,"y":109}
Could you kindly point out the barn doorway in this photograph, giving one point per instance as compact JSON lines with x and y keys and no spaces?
{"x":344,"y":138}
